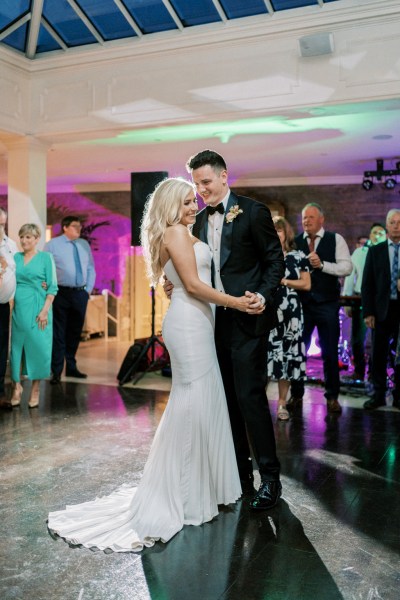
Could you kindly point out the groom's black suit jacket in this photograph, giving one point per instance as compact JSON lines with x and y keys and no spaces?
{"x":251,"y":258}
{"x":375,"y":288}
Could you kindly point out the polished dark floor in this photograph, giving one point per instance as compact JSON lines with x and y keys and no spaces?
{"x":335,"y":534}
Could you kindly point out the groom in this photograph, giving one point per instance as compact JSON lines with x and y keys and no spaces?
{"x":247,"y":256}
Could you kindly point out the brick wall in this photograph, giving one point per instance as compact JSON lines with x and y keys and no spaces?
{"x":349,"y":209}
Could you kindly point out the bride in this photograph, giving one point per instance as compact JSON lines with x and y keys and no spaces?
{"x":191,"y":467}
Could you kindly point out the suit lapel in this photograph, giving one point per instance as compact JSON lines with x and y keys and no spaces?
{"x":302,"y":244}
{"x":203,"y":226}
{"x":201,"y":230}
{"x":227,"y":232}
{"x":385,"y":261}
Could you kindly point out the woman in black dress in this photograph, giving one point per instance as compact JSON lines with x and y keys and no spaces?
{"x":286,"y":350}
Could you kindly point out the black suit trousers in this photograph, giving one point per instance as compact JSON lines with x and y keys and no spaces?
{"x":385,"y":333}
{"x":242,"y":360}
{"x":325,"y":317}
{"x":358,"y":335}
{"x":69,"y":310}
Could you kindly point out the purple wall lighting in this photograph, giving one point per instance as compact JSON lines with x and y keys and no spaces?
{"x":107,"y":231}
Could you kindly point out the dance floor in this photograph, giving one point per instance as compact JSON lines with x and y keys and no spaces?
{"x":334,"y":535}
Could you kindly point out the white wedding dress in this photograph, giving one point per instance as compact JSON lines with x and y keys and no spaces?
{"x":191,"y":466}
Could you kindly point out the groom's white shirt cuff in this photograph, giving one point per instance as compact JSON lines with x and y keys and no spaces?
{"x":261,"y":298}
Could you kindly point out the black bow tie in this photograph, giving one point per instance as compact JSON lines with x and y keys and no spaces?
{"x":212,"y":209}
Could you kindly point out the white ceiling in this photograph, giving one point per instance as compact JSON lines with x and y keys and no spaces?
{"x":333,"y":144}
{"x":328,"y":142}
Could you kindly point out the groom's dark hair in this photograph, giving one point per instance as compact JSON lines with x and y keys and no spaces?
{"x":206,"y":157}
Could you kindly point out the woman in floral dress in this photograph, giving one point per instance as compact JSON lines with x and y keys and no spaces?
{"x":286,"y":350}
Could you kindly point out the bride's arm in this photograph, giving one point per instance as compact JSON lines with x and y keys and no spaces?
{"x":179,"y":246}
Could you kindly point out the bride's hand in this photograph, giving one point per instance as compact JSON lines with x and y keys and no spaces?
{"x":256,"y":306}
{"x":242,"y":303}
{"x":168,"y":287}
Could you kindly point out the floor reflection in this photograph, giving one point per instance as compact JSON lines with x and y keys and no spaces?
{"x":240,"y":555}
{"x":335,"y":534}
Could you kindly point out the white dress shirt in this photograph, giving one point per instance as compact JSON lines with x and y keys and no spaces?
{"x":343,"y":265}
{"x":215,"y":224}
{"x":352,"y":283}
{"x":7,"y":282}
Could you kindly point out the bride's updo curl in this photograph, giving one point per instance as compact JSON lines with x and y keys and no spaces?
{"x":162,"y":209}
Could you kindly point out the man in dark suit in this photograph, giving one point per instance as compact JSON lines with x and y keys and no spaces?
{"x":352,"y":287}
{"x":247,"y":257}
{"x":381,"y":308}
{"x":330,"y":259}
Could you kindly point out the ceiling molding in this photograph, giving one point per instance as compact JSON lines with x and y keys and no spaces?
{"x":292,"y":181}
{"x":342,"y":15}
{"x":238,"y":183}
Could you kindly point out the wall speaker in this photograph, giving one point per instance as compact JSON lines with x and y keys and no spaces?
{"x":142,"y":185}
{"x":316,"y":44}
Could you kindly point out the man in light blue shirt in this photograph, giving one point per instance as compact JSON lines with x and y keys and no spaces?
{"x":76,"y":276}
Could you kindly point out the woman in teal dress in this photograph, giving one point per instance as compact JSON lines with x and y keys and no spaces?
{"x":32,"y":319}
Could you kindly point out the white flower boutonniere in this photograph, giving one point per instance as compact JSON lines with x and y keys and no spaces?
{"x":232,"y":213}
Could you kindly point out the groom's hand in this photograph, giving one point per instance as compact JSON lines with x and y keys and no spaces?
{"x":256,"y":307}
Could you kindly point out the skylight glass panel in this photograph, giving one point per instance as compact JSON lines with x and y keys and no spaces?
{"x":235,"y":9}
{"x":107,"y":18}
{"x":67,"y":23}
{"x":285,"y":4}
{"x":46,"y":43}
{"x":86,"y":22}
{"x":12,"y":10}
{"x":196,"y":12}
{"x":17,"y":39}
{"x":150,"y":15}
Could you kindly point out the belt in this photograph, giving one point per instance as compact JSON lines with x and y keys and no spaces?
{"x":76,"y":289}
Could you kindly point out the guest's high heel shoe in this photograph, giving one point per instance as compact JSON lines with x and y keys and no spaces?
{"x":34,"y":399}
{"x":283,"y":414}
{"x":16,"y":395}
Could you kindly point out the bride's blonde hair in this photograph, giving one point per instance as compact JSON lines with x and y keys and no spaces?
{"x":162,"y":209}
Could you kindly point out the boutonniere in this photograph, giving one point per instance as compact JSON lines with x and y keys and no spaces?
{"x":232,"y":213}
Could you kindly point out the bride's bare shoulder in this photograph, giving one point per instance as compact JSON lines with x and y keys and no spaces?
{"x":176,"y":232}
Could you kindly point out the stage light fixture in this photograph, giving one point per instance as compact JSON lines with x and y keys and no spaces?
{"x":390,"y":183}
{"x":389,"y":175}
{"x":367,"y":184}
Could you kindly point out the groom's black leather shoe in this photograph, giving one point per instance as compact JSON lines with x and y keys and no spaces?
{"x":267,"y":496}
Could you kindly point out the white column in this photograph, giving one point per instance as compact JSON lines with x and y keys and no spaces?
{"x":27,"y":189}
